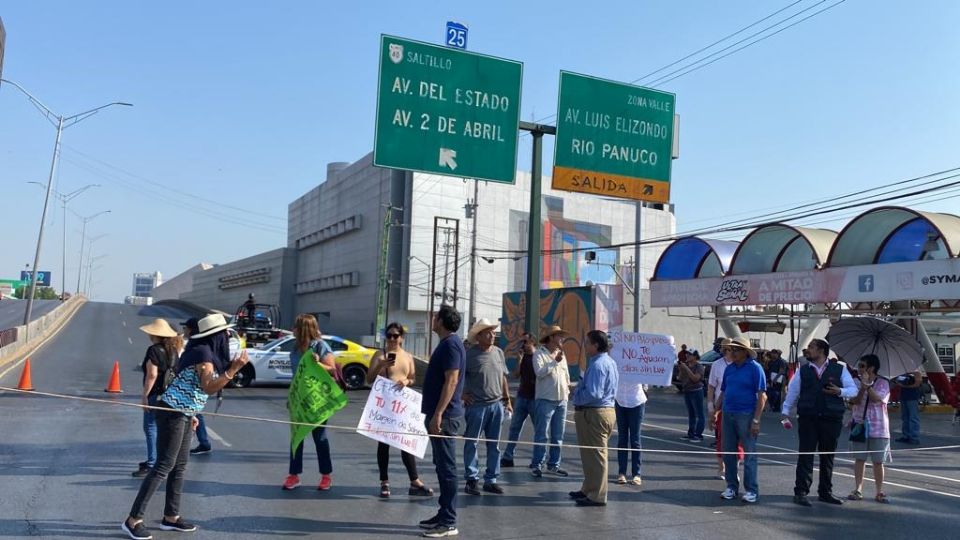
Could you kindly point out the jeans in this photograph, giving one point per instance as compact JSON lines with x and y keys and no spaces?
{"x":202,"y":438}
{"x":775,"y":397}
{"x":816,"y":433}
{"x":553,"y":415}
{"x":910,"y":419}
{"x":522,"y":408}
{"x":696,"y":420}
{"x":628,"y":436}
{"x":483,"y":421}
{"x":323,"y":453}
{"x":736,"y":430}
{"x":445,"y":459}
{"x":150,"y":430}
{"x":173,"y":447}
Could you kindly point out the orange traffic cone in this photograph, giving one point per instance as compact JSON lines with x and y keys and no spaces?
{"x":113,"y":385}
{"x":25,"y":382}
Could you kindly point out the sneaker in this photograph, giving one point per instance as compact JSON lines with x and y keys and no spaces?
{"x":492,"y":487}
{"x":536,"y":473}
{"x":471,"y":487}
{"x":577,"y":495}
{"x":749,"y":497}
{"x":441,"y":531}
{"x":506,"y":462}
{"x":685,"y":438}
{"x":728,"y":494}
{"x":325,"y":482}
{"x":622,"y":479}
{"x":637,"y":481}
{"x":557,"y":471}
{"x":292,"y":482}
{"x":137,"y":532}
{"x":200,"y":449}
{"x":696,"y":439}
{"x":142,"y":471}
{"x":430,"y":523}
{"x":179,"y":525}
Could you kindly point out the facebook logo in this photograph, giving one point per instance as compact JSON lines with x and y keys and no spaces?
{"x":866,"y":283}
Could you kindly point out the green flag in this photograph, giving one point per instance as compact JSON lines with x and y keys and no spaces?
{"x":314,"y":397}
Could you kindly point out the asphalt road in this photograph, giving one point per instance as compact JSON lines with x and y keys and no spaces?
{"x":11,"y":311}
{"x":65,"y":471}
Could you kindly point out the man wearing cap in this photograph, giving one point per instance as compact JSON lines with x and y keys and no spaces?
{"x":818,"y":391}
{"x":485,"y":394}
{"x":550,"y":405}
{"x":743,"y":394}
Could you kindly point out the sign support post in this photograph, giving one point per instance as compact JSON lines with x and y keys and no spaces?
{"x":534,"y":230}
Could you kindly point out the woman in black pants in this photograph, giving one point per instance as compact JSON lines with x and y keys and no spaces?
{"x":203,"y":369}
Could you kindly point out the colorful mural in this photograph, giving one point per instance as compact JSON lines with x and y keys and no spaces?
{"x":567,"y":269}
{"x":575,"y":309}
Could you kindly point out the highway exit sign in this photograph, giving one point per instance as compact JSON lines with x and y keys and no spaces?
{"x":447,"y":111}
{"x":613,"y":139}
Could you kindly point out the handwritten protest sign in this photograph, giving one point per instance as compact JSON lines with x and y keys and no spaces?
{"x":393,"y":417}
{"x":643,"y":358}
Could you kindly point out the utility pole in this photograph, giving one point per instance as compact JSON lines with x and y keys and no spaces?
{"x":472,"y":212}
{"x":383,"y":280}
{"x":534,"y":230}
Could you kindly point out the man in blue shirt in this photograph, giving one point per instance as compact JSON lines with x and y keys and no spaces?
{"x":595,"y":418}
{"x":744,"y":396}
{"x":443,"y":408}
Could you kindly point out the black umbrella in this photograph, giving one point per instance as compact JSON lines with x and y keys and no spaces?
{"x":898,"y":350}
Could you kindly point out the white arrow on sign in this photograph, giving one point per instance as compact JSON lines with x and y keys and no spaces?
{"x":447,"y":158}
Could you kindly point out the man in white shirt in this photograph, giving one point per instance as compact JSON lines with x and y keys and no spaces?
{"x":550,"y":403}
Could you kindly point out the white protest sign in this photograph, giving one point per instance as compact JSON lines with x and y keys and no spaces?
{"x":643,"y":358}
{"x":393,"y":417}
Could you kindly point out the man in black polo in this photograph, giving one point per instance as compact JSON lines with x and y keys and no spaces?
{"x":818,"y":390}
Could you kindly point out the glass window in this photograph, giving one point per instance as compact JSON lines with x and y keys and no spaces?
{"x":335,"y":345}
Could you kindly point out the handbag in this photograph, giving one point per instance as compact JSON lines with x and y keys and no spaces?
{"x":858,"y":431}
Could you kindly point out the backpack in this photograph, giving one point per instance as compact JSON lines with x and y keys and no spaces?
{"x":168,"y":373}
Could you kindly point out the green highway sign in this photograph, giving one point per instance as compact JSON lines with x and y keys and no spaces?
{"x":613,"y":139}
{"x":447,"y":111}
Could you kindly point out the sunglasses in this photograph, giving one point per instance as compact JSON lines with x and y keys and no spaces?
{"x":861,"y":366}
{"x":393,"y":336}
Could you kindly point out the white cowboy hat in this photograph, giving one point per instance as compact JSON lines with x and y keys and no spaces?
{"x":549,"y":332}
{"x":480,"y":326}
{"x":742,"y":343}
{"x":159,"y":328}
{"x":211,"y":324}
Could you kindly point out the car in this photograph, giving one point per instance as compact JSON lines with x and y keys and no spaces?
{"x":270,"y":363}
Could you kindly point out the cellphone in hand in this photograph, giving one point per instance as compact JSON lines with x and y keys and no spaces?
{"x":391,"y":358}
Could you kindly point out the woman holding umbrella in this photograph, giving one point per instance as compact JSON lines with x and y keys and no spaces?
{"x":870,"y":408}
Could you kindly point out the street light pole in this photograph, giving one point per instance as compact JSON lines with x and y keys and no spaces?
{"x":83,"y":236}
{"x":61,"y":124}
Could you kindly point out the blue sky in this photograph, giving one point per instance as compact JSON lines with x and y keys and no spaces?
{"x":241,"y":105}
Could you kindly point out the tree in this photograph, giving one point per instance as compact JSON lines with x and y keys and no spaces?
{"x":42,"y":293}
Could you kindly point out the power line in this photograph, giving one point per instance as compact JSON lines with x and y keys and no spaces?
{"x":741,"y":227}
{"x":663,"y":80}
{"x":247,"y":211}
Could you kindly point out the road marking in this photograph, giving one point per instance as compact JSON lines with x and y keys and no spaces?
{"x":130,"y":341}
{"x":836,"y":458}
{"x":216,"y":436}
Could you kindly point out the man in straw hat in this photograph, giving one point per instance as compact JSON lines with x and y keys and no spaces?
{"x":743,"y":394}
{"x":550,"y":405}
{"x":714,"y":403}
{"x":818,"y":391}
{"x":486,"y":394}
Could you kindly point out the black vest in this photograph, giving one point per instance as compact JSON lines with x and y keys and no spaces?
{"x":813,"y":401}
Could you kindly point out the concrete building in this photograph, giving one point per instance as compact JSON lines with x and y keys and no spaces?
{"x":269,"y":276}
{"x":337,"y":230}
{"x":144,"y":283}
{"x":181,"y":284}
